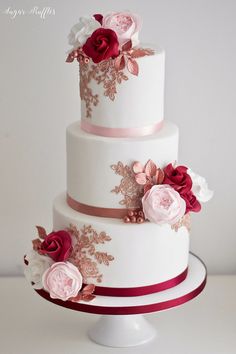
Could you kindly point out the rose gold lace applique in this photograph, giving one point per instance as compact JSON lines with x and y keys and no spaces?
{"x":109,"y":73}
{"x":84,"y":254}
{"x":103,"y":73}
{"x":184,"y":221}
{"x":86,"y":93}
{"x":128,"y":187}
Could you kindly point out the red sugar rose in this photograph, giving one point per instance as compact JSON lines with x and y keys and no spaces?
{"x":192,"y":204}
{"x":98,"y":17}
{"x":103,"y":44}
{"x":178,"y":178}
{"x":57,"y":245}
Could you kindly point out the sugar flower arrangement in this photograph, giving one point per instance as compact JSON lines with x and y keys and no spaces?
{"x":113,"y":36}
{"x":62,"y":262}
{"x":167,"y":195}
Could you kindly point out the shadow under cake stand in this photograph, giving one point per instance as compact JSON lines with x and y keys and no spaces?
{"x":122,"y":323}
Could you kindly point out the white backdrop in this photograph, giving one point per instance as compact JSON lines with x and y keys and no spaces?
{"x":39,"y":98}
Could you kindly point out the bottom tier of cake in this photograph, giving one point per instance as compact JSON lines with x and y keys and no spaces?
{"x":113,"y":254}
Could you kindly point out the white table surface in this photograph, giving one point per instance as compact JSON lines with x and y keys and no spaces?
{"x":31,"y":325}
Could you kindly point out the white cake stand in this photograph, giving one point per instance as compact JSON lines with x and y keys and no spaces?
{"x":122,"y":323}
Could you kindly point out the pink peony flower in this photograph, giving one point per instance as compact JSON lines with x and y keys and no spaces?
{"x":62,"y":280}
{"x":125,"y":24}
{"x":162,"y":204}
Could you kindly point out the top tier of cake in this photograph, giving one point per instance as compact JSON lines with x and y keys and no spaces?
{"x":119,"y":103}
{"x":121,"y":79}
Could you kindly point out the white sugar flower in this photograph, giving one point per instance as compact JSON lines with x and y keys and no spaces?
{"x":200,"y":187}
{"x":35,"y":266}
{"x":82,"y":30}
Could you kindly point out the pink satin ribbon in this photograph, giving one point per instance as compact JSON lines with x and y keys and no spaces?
{"x":120,"y":132}
{"x":141,"y":290}
{"x":96,"y":211}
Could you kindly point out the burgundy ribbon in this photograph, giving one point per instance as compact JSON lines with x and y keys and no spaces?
{"x":141,"y":290}
{"x":116,"y":213}
{"x":125,"y":310}
{"x":120,"y":132}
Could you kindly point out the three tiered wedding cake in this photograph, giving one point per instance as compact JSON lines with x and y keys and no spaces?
{"x":122,"y":228}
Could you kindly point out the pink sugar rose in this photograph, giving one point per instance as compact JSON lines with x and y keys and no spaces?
{"x":125,"y":24}
{"x":62,"y":280}
{"x":162,"y":204}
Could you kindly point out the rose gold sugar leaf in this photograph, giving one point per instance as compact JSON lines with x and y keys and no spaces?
{"x":127,"y":46}
{"x":88,"y":289}
{"x":132,"y":66}
{"x":160,"y":175}
{"x":41,"y":232}
{"x":110,"y":257}
{"x":120,"y":63}
{"x":76,"y":298}
{"x":88,"y":297}
{"x":147,"y":187}
{"x":36,"y":244}
{"x":137,"y":167}
{"x":150,"y":168}
{"x":141,"y":178}
{"x":141,"y":52}
{"x":70,"y":58}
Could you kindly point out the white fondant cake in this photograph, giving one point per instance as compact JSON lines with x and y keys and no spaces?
{"x":122,"y":227}
{"x":90,"y":178}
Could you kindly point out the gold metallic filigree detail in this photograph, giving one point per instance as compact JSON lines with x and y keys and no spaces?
{"x":184,"y":221}
{"x":84,"y":254}
{"x":128,"y":187}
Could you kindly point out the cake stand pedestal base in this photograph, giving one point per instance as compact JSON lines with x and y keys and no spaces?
{"x":122,"y":324}
{"x":121,"y":331}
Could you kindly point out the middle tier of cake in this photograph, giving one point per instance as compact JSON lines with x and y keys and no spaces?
{"x":98,"y":168}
